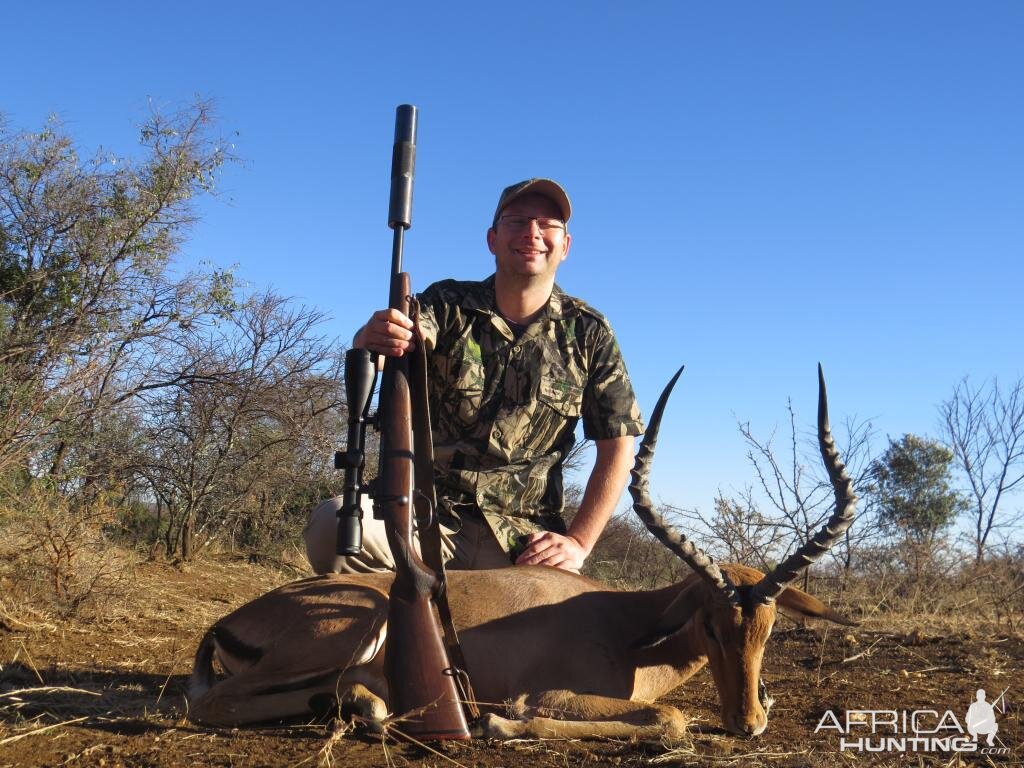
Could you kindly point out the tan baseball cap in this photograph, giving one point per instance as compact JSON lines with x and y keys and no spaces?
{"x":550,"y":189}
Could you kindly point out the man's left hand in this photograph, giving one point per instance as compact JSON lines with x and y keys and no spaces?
{"x":554,"y":549}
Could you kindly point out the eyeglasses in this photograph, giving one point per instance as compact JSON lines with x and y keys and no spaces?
{"x":544,"y":224}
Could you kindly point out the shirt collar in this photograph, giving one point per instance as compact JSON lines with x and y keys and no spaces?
{"x":483,"y":300}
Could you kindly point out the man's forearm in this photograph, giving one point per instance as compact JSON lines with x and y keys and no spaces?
{"x":607,"y":479}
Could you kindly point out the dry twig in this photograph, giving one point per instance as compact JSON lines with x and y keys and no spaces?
{"x":865,"y":652}
{"x":48,"y":689}
{"x":18,"y":737}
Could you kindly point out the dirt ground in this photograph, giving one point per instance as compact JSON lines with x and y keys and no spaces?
{"x":87,"y":692}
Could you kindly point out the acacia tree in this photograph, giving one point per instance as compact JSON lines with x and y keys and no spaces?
{"x":912,"y":487}
{"x":985,"y":428}
{"x":84,"y":250}
{"x":912,"y":495}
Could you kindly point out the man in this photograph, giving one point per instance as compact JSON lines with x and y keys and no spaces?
{"x":513,"y":363}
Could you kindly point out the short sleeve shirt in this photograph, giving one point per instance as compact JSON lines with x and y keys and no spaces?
{"x":504,"y":407}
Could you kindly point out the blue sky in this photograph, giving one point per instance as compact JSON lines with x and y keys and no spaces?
{"x":757,"y":186}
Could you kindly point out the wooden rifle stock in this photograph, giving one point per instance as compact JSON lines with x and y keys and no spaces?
{"x":422,"y":687}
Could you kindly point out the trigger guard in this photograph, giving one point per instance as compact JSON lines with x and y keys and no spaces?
{"x":431,"y":514}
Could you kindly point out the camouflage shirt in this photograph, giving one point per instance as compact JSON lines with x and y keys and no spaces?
{"x":504,"y":408}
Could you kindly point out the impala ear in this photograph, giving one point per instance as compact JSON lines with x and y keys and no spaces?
{"x":674,"y":619}
{"x":799,"y":605}
{"x":657,"y":636}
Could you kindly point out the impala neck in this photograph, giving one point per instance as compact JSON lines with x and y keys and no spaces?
{"x":672,"y":662}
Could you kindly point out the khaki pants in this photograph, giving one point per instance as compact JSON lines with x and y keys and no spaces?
{"x":471,"y":547}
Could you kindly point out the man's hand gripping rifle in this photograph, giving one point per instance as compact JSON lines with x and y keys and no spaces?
{"x":422,"y":682}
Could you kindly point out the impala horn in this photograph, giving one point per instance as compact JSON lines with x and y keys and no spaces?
{"x":703,"y":565}
{"x":786,"y":572}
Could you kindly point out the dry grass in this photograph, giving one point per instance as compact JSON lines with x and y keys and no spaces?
{"x":109,"y":665}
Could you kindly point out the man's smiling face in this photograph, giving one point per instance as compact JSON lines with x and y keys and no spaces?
{"x":528,"y":249}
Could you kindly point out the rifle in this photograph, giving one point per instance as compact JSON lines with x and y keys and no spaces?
{"x":421,"y":679}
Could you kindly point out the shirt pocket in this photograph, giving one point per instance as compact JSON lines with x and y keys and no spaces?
{"x":562,"y":394}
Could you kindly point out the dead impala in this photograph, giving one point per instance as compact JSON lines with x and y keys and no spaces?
{"x":574,"y":657}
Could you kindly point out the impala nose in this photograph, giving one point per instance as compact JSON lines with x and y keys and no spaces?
{"x":753,"y":729}
{"x":749,"y":726}
{"x":749,"y":730}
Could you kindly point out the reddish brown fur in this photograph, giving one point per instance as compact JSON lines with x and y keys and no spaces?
{"x":562,"y":646}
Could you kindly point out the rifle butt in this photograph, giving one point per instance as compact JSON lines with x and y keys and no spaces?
{"x":427,"y":697}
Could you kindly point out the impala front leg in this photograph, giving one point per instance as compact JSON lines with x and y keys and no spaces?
{"x":568,"y":715}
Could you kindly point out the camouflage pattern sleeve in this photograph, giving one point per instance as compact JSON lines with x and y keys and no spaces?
{"x":428,"y":316}
{"x":610,"y":408}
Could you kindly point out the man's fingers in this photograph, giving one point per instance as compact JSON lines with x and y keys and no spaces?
{"x":392,"y":316}
{"x":553,"y":549}
{"x":531,"y":555}
{"x":396,"y":342}
{"x":388,"y":328}
{"x":388,"y":332}
{"x":556,"y":558}
{"x":540,"y":542}
{"x":389,"y":346}
{"x":552,"y":559}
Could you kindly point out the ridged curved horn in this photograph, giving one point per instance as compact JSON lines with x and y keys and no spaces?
{"x":786,"y":572}
{"x":703,"y":565}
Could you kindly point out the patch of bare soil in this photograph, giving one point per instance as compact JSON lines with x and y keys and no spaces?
{"x":110,"y":693}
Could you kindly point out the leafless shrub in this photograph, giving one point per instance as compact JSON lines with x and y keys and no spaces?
{"x":62,"y":557}
{"x":999,"y":582}
{"x":228,"y":450}
{"x":984,"y":426}
{"x":737,"y":531}
{"x":887,"y":586}
{"x":793,"y":495}
{"x":629,"y":557}
{"x":790,"y":501}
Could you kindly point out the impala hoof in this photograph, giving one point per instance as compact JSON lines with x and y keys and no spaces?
{"x":673,"y":722}
{"x":491,"y":726}
{"x":360,"y":705}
